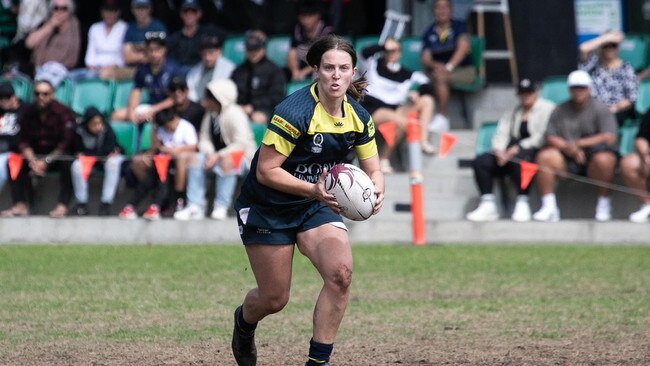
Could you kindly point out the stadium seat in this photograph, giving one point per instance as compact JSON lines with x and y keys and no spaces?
{"x":642,"y":103}
{"x":292,"y":86}
{"x":277,"y":48}
{"x":92,"y":92}
{"x":484,"y":137}
{"x":145,"y":137}
{"x":555,"y":89}
{"x":477,"y":46}
{"x":234,"y":49}
{"x":634,"y":49}
{"x":258,"y":132}
{"x":63,"y":92}
{"x":627,"y":133}
{"x":125,"y":132}
{"x":22,"y":87}
{"x":411,"y":48}
{"x":361,"y":42}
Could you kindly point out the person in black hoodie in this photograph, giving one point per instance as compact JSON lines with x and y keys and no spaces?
{"x":95,"y":137}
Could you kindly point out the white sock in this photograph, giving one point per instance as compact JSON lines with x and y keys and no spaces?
{"x":488,"y":197}
{"x":522,"y":198}
{"x":548,"y":200}
{"x":604,"y":201}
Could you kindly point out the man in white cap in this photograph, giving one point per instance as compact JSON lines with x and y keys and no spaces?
{"x":580,"y":139}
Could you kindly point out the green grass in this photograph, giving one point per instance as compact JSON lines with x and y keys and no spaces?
{"x":187,"y":293}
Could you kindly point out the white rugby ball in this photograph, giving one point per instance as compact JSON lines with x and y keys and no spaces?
{"x":353,"y":189}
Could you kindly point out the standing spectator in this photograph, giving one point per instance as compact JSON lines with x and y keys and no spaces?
{"x":614,"y":81}
{"x":56,"y":43}
{"x":11,"y":109}
{"x":260,"y":82}
{"x":635,"y":169}
{"x":224,"y":130}
{"x":184,"y":45}
{"x":580,"y":139}
{"x":390,"y":97}
{"x":46,"y":136}
{"x":105,"y":41}
{"x":518,"y":137}
{"x":94,"y":137}
{"x":31,"y":14}
{"x":188,"y":110}
{"x":173,"y":136}
{"x":134,"y":39}
{"x":310,"y":26}
{"x":213,"y":66}
{"x":445,"y":56}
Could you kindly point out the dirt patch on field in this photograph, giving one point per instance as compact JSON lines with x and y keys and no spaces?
{"x":632,"y":350}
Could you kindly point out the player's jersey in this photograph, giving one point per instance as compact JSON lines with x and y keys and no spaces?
{"x":311,"y":139}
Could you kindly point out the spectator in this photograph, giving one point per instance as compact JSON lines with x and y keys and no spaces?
{"x":134,"y":39}
{"x":390,"y":97}
{"x":580,"y":139}
{"x":105,"y":41}
{"x":224,"y":130}
{"x":188,"y":110}
{"x":310,"y":26}
{"x":94,"y":137}
{"x":173,"y":136}
{"x":17,"y":57}
{"x":46,"y":136}
{"x":260,"y":82}
{"x":445,"y":56}
{"x":184,"y":45}
{"x":213,"y":66}
{"x":11,"y":109}
{"x":154,"y":77}
{"x":614,"y":81}
{"x":56,"y":43}
{"x":518,"y":137}
{"x":635,"y":169}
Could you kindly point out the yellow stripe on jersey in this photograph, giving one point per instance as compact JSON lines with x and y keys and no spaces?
{"x":285,"y":126}
{"x":367,"y":150}
{"x":284,"y":147}
{"x":323,"y":122}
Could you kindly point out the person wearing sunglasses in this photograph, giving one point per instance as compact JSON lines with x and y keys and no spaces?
{"x":614,"y":80}
{"x":58,"y":39}
{"x":134,"y":40}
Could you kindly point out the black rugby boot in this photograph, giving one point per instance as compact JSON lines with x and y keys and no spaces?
{"x":243,"y":345}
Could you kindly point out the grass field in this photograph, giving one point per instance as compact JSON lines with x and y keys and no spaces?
{"x":454,"y":305}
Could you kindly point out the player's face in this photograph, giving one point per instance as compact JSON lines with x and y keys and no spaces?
{"x":335,"y":72}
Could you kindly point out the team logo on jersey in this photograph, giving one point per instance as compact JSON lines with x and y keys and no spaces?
{"x":285,"y":126}
{"x":318,"y":143}
{"x":338,"y":124}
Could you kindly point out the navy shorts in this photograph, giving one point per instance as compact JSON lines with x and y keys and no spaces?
{"x":281,"y":225}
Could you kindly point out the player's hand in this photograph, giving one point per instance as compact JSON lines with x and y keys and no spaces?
{"x":379,"y":202}
{"x":319,"y":193}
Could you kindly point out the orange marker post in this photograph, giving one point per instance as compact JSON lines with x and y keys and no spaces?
{"x":415,"y":177}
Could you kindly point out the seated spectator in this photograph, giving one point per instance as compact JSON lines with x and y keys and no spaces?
{"x":154,"y":77}
{"x":104,"y":57}
{"x":11,"y":109}
{"x":518,"y":137}
{"x":95,"y":137}
{"x":184,"y":45}
{"x":46,"y":136}
{"x":173,"y":136}
{"x":614,"y":81}
{"x":213,"y":66}
{"x":188,"y":110}
{"x":445,"y":56}
{"x":390,"y":98}
{"x":635,"y":169}
{"x":580,"y":139}
{"x":133,"y":48}
{"x":224,"y":130}
{"x":310,"y":26}
{"x":260,"y":82}
{"x":56,"y":43}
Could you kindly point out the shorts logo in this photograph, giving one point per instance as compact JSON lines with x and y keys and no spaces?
{"x":318,"y":143}
{"x":263,"y":231}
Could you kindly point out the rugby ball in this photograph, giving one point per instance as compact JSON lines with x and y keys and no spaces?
{"x":353,"y":189}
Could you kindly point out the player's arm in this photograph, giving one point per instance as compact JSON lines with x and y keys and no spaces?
{"x":371,"y":167}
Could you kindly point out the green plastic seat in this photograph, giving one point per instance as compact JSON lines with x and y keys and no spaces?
{"x":277,"y":48}
{"x":634,"y":49}
{"x":234,"y":48}
{"x":484,"y":137}
{"x":411,"y":49}
{"x":125,"y":133}
{"x":63,"y":92}
{"x":477,"y":47}
{"x":642,"y":103}
{"x":22,"y":87}
{"x":555,"y":89}
{"x":292,"y":86}
{"x":145,"y":137}
{"x":92,"y":92}
{"x":258,"y":132}
{"x":626,"y":136}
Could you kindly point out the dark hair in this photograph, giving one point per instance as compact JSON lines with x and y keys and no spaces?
{"x":165,"y":116}
{"x":333,"y":42}
{"x":89,"y":114}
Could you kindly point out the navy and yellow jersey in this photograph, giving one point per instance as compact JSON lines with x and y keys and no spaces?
{"x":311,"y":139}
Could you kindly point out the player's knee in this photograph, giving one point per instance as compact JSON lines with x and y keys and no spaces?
{"x":277,"y":302}
{"x":342,"y":277}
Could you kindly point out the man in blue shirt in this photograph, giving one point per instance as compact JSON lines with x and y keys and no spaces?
{"x":134,"y":39}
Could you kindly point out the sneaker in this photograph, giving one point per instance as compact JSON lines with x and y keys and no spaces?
{"x":80,"y":209}
{"x":642,"y":215}
{"x":191,"y":212}
{"x":521,"y":213}
{"x":152,"y":213}
{"x":104,"y":209}
{"x":486,"y":211}
{"x":603,"y":211}
{"x":128,"y":213}
{"x":439,"y":123}
{"x":219,"y":213}
{"x":547,"y":214}
{"x":243,"y":345}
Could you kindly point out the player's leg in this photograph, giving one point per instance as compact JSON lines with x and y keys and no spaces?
{"x":328,"y":248}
